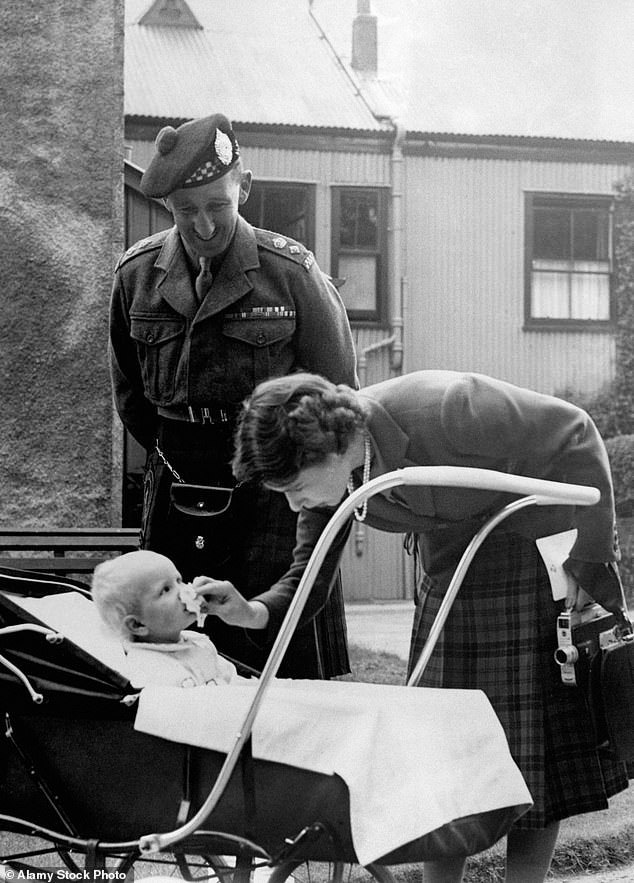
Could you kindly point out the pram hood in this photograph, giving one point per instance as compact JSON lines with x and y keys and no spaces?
{"x":86,"y":663}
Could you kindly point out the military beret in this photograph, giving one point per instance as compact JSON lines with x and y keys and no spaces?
{"x":195,"y":153}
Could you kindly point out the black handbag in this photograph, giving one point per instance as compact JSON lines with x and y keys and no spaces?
{"x":617,"y":691}
{"x":200,"y":499}
{"x":611,"y":686}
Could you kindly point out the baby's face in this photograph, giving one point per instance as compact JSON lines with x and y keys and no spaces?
{"x":161,"y":610}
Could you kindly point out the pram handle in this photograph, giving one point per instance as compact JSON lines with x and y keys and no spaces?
{"x":534,"y":491}
{"x":51,"y":636}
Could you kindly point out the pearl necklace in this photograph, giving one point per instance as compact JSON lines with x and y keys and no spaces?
{"x":360,"y":513}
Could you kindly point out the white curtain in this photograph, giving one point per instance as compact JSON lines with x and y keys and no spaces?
{"x":579,"y":290}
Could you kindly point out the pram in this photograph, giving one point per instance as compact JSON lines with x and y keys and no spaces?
{"x":76,"y":773}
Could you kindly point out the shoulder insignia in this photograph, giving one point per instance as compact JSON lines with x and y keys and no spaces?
{"x":155,"y":241}
{"x":285,"y":247}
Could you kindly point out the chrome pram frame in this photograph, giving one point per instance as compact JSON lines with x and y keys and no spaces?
{"x":189,"y":838}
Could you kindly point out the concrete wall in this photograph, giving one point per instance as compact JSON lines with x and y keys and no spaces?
{"x":61,"y":229}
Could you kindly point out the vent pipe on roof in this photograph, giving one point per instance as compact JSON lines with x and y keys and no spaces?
{"x":364,"y":39}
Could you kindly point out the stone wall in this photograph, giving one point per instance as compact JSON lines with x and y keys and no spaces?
{"x":61,"y":230}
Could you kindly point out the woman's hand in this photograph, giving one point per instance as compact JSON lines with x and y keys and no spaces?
{"x":598,"y":582}
{"x":223,"y":600}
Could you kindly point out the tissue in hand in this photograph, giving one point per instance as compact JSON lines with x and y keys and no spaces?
{"x":192,"y":602}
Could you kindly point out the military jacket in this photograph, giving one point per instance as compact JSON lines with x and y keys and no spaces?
{"x":269,"y":311}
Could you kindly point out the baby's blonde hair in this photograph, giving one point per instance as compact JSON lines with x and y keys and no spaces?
{"x":114,"y":594}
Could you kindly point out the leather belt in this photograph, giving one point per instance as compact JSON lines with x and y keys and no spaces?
{"x":210,"y":414}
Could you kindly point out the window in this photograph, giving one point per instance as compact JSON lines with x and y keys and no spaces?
{"x":288,"y":209}
{"x":568,"y":256}
{"x":359,"y":250}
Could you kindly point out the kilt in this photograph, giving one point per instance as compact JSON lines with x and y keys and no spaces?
{"x":250,"y":544}
{"x":500,"y":637}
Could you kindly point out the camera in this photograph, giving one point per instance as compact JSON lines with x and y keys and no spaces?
{"x":580,"y":636}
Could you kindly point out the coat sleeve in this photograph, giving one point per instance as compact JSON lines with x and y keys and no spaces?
{"x":310,"y":525}
{"x":136,"y":412}
{"x":324,"y":342}
{"x":540,"y":436}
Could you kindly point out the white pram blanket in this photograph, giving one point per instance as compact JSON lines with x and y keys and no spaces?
{"x":413,"y":759}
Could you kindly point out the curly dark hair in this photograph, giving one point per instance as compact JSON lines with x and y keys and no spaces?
{"x":292,"y":422}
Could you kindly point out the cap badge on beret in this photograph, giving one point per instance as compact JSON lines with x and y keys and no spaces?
{"x":223,"y":147}
{"x":222,"y":156}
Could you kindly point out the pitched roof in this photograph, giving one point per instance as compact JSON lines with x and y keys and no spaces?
{"x":257,"y":61}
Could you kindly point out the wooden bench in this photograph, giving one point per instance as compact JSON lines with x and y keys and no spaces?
{"x":74,"y":550}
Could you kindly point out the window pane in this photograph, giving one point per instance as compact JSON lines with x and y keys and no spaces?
{"x":285,"y":212}
{"x":280,"y":208}
{"x":554,"y":266}
{"x":359,"y":290}
{"x":550,"y":296}
{"x":590,"y":296}
{"x":590,"y":235}
{"x":590,"y":267}
{"x":571,"y":295}
{"x":552,"y":233}
{"x":359,"y":220}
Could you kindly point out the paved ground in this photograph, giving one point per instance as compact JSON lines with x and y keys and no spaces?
{"x":623,"y":875}
{"x":382,"y":626}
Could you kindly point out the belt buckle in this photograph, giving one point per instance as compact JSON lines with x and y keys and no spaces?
{"x":206,"y":415}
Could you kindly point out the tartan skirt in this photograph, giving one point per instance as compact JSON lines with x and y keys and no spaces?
{"x":500,"y":637}
{"x":251,"y":544}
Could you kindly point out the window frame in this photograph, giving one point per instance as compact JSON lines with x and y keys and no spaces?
{"x":309,"y":189}
{"x":378,"y":315}
{"x":560,"y":200}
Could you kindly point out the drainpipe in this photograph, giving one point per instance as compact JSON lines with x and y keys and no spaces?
{"x":398,"y":281}
{"x":397,"y":290}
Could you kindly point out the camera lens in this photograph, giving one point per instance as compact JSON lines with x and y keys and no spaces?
{"x":566,"y":655}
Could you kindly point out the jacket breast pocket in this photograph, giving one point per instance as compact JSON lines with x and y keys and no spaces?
{"x":259,"y":348}
{"x":159,"y":341}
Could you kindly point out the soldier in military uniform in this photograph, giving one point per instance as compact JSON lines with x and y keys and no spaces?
{"x":200,"y":314}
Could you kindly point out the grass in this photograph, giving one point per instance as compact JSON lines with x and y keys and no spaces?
{"x":592,"y":842}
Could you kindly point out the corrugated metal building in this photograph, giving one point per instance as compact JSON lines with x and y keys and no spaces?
{"x":484,"y":253}
{"x":469,"y":266}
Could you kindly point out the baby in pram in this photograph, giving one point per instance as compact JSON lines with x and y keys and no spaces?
{"x":141,"y":596}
